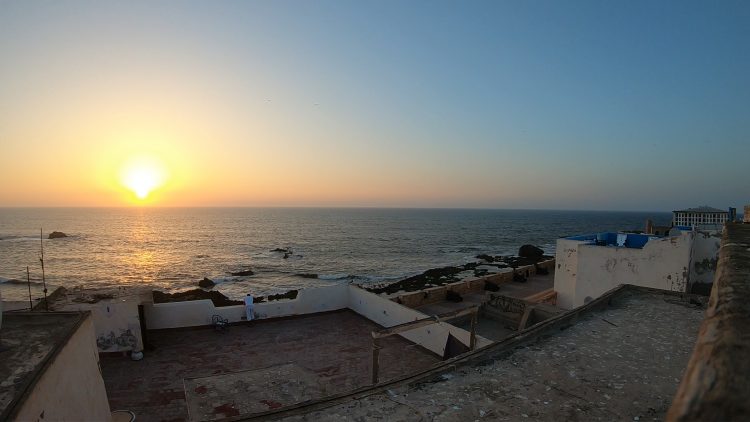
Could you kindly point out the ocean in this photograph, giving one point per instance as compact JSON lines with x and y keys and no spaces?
{"x":171,"y":249}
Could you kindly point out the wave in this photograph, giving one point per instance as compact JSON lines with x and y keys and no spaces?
{"x":367,"y":278}
{"x":11,"y":238}
{"x":4,"y":280}
{"x":226,"y":279}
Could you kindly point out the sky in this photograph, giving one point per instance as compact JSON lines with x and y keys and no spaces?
{"x":611,"y":105}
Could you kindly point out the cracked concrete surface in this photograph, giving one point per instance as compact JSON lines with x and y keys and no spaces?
{"x":621,"y":363}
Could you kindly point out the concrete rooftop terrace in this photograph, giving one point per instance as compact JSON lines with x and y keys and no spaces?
{"x":489,"y":328}
{"x":331,"y":351}
{"x":28,"y":343}
{"x":620,"y":357}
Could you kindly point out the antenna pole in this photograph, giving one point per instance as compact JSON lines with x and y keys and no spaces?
{"x":28,"y":282}
{"x":41,"y":259}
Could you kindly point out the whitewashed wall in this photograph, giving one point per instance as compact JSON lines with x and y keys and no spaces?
{"x":373,"y":307}
{"x":566,"y":259}
{"x":705,"y":254}
{"x":117,"y":326}
{"x":587,"y":271}
{"x":199,"y":312}
{"x":71,"y":388}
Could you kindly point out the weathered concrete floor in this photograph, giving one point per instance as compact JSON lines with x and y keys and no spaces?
{"x":535,"y":284}
{"x":622,"y":363}
{"x":334,"y":346}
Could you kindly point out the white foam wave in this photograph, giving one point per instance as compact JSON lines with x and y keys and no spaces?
{"x":226,"y":279}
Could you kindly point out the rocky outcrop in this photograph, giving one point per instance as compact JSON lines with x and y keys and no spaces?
{"x":291,"y":294}
{"x":446,"y":275}
{"x":243,"y":273}
{"x":206,"y":283}
{"x":57,"y":235}
{"x":94,"y":298}
{"x":530,"y":251}
{"x":196,"y":294}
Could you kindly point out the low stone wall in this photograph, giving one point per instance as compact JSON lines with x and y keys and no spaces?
{"x":200,"y":312}
{"x":716,"y":384}
{"x":474,"y":285}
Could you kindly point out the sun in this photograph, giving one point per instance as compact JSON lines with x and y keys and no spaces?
{"x":142,"y":175}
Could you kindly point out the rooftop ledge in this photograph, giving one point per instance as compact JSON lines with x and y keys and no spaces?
{"x":716,"y":384}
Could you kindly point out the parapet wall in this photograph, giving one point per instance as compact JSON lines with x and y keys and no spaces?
{"x":716,"y":384}
{"x":196,"y":313}
{"x":309,"y":301}
{"x":71,"y":387}
{"x":438,"y":294}
{"x":585,"y":271}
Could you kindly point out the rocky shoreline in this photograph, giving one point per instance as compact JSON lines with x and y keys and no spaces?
{"x":218,"y":298}
{"x":486,"y":264}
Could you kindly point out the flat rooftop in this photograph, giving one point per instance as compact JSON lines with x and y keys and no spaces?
{"x":28,"y":341}
{"x":620,"y":361}
{"x":323,"y":354}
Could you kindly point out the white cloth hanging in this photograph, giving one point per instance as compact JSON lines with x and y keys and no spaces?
{"x":621,"y":238}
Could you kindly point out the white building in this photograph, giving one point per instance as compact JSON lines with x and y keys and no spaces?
{"x":590,"y":265}
{"x":699,"y":216}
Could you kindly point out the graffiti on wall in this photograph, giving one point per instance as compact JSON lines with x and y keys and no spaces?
{"x":126,"y":340}
{"x":506,"y":304}
{"x":117,"y":326}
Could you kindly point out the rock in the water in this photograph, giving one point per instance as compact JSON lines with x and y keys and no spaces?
{"x":95,"y":298}
{"x":485,"y":257}
{"x":206,"y":283}
{"x":308,"y":275}
{"x":196,"y":294}
{"x":56,"y":235}
{"x":243,"y":273}
{"x":283,"y":250}
{"x":530,"y":251}
{"x":291,"y":294}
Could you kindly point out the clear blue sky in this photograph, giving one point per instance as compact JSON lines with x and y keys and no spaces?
{"x":628,"y":105}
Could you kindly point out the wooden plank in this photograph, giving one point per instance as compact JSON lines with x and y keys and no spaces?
{"x":375,"y":360}
{"x":473,"y":338}
{"x":423,"y":322}
{"x":525,"y":317}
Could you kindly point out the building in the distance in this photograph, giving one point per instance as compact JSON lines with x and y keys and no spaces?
{"x":700,"y":216}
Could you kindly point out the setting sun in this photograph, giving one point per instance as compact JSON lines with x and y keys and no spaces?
{"x":142,"y":175}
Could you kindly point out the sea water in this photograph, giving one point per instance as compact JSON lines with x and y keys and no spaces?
{"x":173,"y":248}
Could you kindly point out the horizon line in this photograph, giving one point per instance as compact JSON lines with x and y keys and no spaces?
{"x":319,"y":207}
